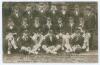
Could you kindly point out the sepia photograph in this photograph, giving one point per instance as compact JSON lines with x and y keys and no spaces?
{"x":50,"y":32}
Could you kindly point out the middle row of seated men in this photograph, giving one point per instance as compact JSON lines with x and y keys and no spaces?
{"x":36,"y":26}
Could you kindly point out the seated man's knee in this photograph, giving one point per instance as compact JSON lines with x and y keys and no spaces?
{"x":58,"y":46}
{"x":44,"y":46}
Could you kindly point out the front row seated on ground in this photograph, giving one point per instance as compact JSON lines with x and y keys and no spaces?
{"x":50,"y":42}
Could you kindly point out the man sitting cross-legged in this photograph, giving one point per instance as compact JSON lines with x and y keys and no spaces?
{"x":25,"y":42}
{"x":50,"y":43}
{"x":37,"y":39}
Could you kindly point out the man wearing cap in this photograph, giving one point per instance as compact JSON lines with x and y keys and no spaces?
{"x":90,"y":23}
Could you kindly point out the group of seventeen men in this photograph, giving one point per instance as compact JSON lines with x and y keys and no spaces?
{"x":50,"y":29}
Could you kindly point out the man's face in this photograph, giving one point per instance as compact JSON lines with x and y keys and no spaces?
{"x":67,"y":33}
{"x":10,"y":24}
{"x":78,"y":33}
{"x":81,"y":20}
{"x":87,"y":11}
{"x":77,"y":9}
{"x":41,"y":9}
{"x":53,"y":9}
{"x":28,"y":9}
{"x":25,"y":35}
{"x":24,"y":22}
{"x":64,"y":7}
{"x":16,"y":12}
{"x":59,"y":20}
{"x":63,"y":10}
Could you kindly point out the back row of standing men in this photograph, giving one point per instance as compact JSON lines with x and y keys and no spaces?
{"x":54,"y":15}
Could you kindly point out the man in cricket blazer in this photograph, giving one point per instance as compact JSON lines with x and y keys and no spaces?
{"x":50,"y":44}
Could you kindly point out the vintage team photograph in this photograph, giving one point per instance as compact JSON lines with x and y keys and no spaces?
{"x":50,"y":32}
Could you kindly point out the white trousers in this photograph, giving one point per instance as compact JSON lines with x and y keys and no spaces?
{"x":11,"y":43}
{"x":51,"y":49}
{"x":86,"y":45}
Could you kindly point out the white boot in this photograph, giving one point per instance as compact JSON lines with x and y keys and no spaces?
{"x":67,"y":51}
{"x":9,"y":52}
{"x":36,"y":52}
{"x":87,"y":49}
{"x":53,"y":52}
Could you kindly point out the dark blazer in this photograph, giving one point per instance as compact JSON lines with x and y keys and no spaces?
{"x":46,"y":28}
{"x":77,"y":40}
{"x":50,"y":42}
{"x":59,"y":29}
